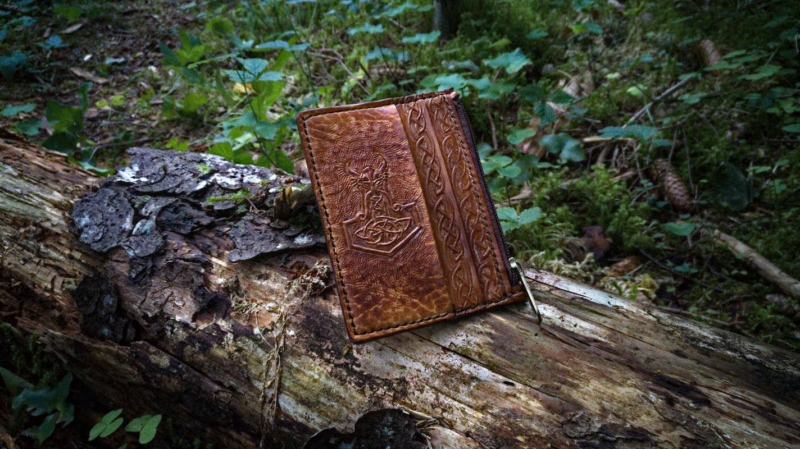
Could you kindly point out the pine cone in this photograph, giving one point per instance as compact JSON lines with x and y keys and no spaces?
{"x":672,"y":185}
{"x":709,"y":53}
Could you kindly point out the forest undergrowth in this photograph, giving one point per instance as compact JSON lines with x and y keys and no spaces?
{"x":619,"y":138}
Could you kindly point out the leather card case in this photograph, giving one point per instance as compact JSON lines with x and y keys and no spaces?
{"x":411,"y":229}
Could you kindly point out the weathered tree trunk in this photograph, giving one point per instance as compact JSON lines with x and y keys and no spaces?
{"x":157,"y":318}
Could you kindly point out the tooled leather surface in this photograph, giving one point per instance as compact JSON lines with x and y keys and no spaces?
{"x":463,"y":177}
{"x":383,"y":250}
{"x":405,"y":220}
{"x":450,"y":186}
{"x":442,"y":205}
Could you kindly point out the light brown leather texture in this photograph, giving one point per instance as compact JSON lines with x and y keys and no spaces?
{"x":410,"y":228}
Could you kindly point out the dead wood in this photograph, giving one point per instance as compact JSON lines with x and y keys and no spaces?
{"x":177,"y":294}
{"x":765,"y":268}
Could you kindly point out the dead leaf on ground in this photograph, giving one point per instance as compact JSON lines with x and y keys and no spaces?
{"x":623,"y":267}
{"x":523,"y":194}
{"x":87,"y":75}
{"x":73,"y":28}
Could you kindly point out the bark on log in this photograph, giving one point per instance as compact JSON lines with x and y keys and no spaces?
{"x":254,"y":351}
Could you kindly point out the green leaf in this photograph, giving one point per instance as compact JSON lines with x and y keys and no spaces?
{"x":518,"y":135}
{"x":507,"y":214}
{"x":14,"y":383}
{"x":566,"y":147}
{"x":765,"y":71}
{"x":560,"y":97}
{"x":366,"y":28}
{"x":794,"y":128}
{"x":11,"y":111}
{"x":62,"y":141}
{"x":29,"y":127}
{"x":422,"y":38}
{"x":642,"y":132}
{"x":682,"y":229}
{"x":454,"y":81}
{"x":545,"y":113}
{"x":512,"y":62}
{"x":193,"y":101}
{"x":528,"y":216}
{"x":283,"y":162}
{"x":44,"y":430}
{"x":509,"y":171}
{"x":9,"y":65}
{"x":170,"y":58}
{"x":280,"y":45}
{"x":136,"y":424}
{"x":71,"y":13}
{"x":64,"y":118}
{"x":111,"y":427}
{"x":223,"y":149}
{"x":148,"y":432}
{"x":733,"y":189}
{"x":537,"y":33}
{"x":87,"y":165}
{"x":268,"y":94}
{"x":266,"y":130}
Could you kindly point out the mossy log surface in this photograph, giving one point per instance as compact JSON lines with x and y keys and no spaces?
{"x":170,"y":289}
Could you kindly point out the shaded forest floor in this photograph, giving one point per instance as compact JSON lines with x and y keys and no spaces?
{"x":616,"y":137}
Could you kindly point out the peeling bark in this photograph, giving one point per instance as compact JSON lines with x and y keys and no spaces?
{"x":230,"y":327}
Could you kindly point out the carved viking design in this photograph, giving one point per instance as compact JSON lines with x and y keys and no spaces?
{"x":381,"y":226}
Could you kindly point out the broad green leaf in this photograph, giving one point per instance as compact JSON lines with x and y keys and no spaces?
{"x":11,"y":111}
{"x":454,"y":81}
{"x":507,"y":214}
{"x":87,"y":165}
{"x":111,"y":427}
{"x":111,"y":416}
{"x":64,"y":118}
{"x":280,"y":45}
{"x":44,"y":430}
{"x":366,"y":28}
{"x":253,"y":66}
{"x":528,"y":216}
{"x":61,"y":141}
{"x":794,"y":128}
{"x":564,"y":146}
{"x":733,"y":189}
{"x":29,"y":127}
{"x":560,"y":97}
{"x":10,"y":64}
{"x":283,"y":161}
{"x":14,"y":383}
{"x":136,"y":424}
{"x":509,"y":171}
{"x":537,"y":33}
{"x":512,"y":62}
{"x":148,"y":432}
{"x":518,"y":135}
{"x":765,"y":71}
{"x":266,"y":130}
{"x":681,"y":229}
{"x":636,"y":131}
{"x":268,"y":93}
{"x":545,"y":112}
{"x":193,"y":101}
{"x":170,"y":58}
{"x":422,"y":38}
{"x":223,"y":149}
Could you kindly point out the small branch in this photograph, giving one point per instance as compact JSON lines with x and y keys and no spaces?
{"x":655,"y":100}
{"x":765,"y":268}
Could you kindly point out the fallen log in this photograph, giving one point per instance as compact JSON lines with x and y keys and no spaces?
{"x":169,"y":289}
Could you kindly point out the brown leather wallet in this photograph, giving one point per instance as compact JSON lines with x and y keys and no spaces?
{"x":411,"y":229}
